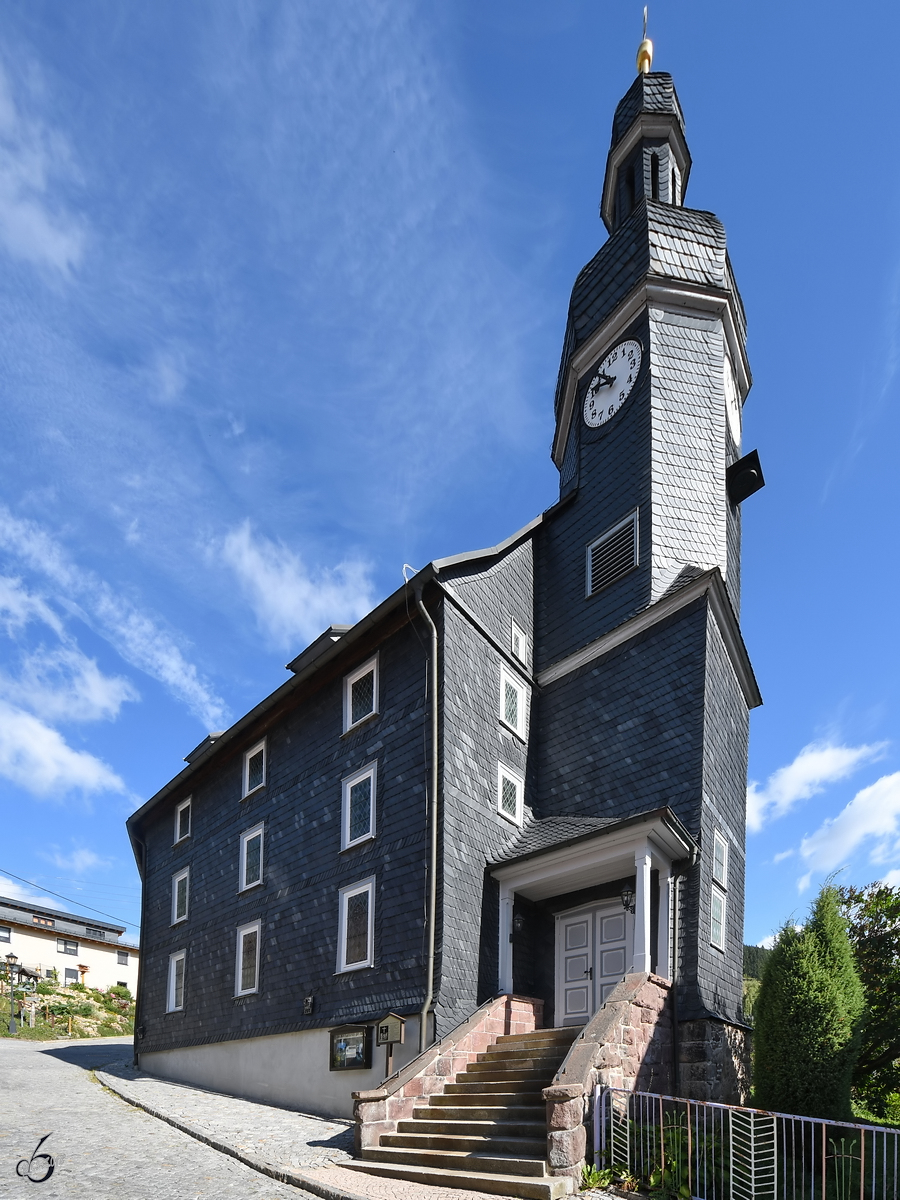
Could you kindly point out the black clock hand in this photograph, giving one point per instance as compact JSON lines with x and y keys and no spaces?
{"x":602,"y":380}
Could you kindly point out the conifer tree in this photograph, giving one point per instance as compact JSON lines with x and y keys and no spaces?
{"x":808,"y":1018}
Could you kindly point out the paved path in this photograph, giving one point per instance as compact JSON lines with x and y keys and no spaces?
{"x":104,"y":1148}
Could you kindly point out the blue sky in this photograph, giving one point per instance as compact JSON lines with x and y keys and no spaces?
{"x":282,"y":290}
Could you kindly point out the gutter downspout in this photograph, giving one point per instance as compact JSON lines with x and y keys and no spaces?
{"x":433,"y":818}
{"x":138,"y":1000}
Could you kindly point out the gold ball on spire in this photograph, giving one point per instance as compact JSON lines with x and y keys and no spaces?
{"x":645,"y":56}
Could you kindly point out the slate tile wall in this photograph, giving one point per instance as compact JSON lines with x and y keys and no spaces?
{"x":474,"y":741}
{"x":304,"y":868}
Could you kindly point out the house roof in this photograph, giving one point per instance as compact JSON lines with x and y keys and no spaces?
{"x":552,"y":833}
{"x":59,"y":914}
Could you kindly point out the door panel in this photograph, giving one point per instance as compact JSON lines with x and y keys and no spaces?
{"x":592,"y":955}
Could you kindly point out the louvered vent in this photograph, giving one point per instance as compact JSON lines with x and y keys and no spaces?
{"x":613,"y":555}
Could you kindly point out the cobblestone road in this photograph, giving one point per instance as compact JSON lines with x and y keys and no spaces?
{"x":104,"y":1147}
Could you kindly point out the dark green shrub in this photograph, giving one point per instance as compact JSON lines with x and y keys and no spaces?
{"x":122,"y":992}
{"x":808,"y":1018}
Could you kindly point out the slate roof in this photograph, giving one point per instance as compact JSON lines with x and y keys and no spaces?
{"x":548,"y":832}
{"x":649,"y":93}
{"x":653,"y":93}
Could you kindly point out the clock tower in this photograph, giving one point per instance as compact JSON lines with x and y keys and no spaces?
{"x":645,"y":682}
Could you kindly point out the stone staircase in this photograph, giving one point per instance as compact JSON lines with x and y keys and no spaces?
{"x":487,"y":1132}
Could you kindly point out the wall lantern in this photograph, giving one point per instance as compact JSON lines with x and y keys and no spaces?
{"x":518,"y":923}
{"x":628,"y":899}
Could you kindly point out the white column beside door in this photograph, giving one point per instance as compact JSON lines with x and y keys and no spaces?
{"x":641,"y":960}
{"x":664,"y":925}
{"x":505,"y":948}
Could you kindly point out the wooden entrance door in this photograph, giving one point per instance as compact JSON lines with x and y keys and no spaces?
{"x":591,"y":957}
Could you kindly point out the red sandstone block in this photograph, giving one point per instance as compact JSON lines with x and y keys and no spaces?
{"x":565,"y":1147}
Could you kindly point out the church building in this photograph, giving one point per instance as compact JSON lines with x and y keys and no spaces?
{"x":522,"y":777}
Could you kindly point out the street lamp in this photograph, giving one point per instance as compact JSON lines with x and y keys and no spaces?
{"x":11,"y":961}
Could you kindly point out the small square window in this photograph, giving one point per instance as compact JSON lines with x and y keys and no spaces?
{"x":183,"y":820}
{"x":255,"y":767}
{"x":510,"y":794}
{"x":180,"y":889}
{"x":66,"y":946}
{"x":247,"y":966}
{"x":121,"y":983}
{"x":519,"y":644}
{"x":122,"y":958}
{"x":356,"y":926}
{"x":720,"y":860}
{"x":717,"y":919}
{"x":175,"y":998}
{"x":512,"y":703}
{"x":361,"y":694}
{"x":45,"y":921}
{"x":358,"y":811}
{"x":70,"y":976}
{"x":252,"y":857}
{"x":5,"y":933}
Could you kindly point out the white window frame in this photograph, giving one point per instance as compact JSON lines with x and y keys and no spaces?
{"x":503,"y":771}
{"x":183,"y":874}
{"x":518,"y":633}
{"x":246,"y":790}
{"x":345,"y":893}
{"x":260,"y":829}
{"x":506,"y":676}
{"x":179,"y":809}
{"x":178,"y":956}
{"x":242,"y":932}
{"x":349,"y":680}
{"x":347,"y":783}
{"x":717,"y":895}
{"x":722,"y":881}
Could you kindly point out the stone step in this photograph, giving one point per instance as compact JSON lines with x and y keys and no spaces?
{"x":509,"y":1070}
{"x":532,"y":1130}
{"x":458,"y":1160}
{"x":492,"y":1111}
{"x":540,"y":1037}
{"x":476,"y":1086}
{"x":518,"y":1058}
{"x":503,"y":1094}
{"x":470,"y":1143}
{"x":548,"y":1188}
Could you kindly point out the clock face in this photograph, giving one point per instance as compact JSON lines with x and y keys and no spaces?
{"x":612,"y":383}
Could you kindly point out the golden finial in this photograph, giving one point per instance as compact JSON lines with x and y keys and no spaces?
{"x":645,"y":51}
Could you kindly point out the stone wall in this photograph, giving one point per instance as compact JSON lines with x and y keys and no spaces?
{"x":627,"y":1044}
{"x":714,"y":1061}
{"x":378,"y":1111}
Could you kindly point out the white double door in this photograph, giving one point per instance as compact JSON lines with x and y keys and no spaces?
{"x":593,"y":953}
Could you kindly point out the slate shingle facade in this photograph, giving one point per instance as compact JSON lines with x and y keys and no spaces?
{"x":636,"y":701}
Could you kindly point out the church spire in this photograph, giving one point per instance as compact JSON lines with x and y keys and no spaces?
{"x":645,"y":51}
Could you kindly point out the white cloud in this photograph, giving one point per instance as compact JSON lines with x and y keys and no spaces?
{"x":871,"y":819}
{"x":292,"y":604}
{"x":39,"y":760}
{"x":12,"y":890}
{"x":892,"y":879}
{"x":64,"y":684}
{"x":783,"y":855}
{"x":33,"y":225}
{"x":135,"y":635}
{"x":815,"y":767}
{"x":768,"y":942}
{"x":80,"y":860}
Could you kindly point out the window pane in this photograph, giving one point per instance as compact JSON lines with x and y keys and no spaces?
{"x":248,"y":961}
{"x":362,"y":697}
{"x":5,"y":933}
{"x":253,"y":859}
{"x":718,"y":912}
{"x":178,"y":989}
{"x":357,"y":928}
{"x":181,"y":898}
{"x":360,"y":808}
{"x":719,"y":861}
{"x":255,"y":770}
{"x":184,"y":822}
{"x":508,"y":797}
{"x":511,"y":704}
{"x":71,"y":975}
{"x":122,"y":958}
